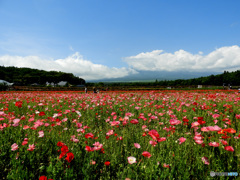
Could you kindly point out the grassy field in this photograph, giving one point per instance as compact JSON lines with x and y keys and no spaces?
{"x":166,"y":134}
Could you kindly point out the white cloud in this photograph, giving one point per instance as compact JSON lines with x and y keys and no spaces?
{"x":73,"y":64}
{"x":225,"y":58}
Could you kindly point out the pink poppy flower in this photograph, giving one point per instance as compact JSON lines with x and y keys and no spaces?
{"x":205,"y":160}
{"x":237,"y":116}
{"x":114,"y":123}
{"x":182,"y":140}
{"x":161,"y":139}
{"x":92,"y":162}
{"x":215,"y":116}
{"x":97,"y":146}
{"x":79,"y":125}
{"x":199,"y":141}
{"x":214,"y":144}
{"x":137,"y":145}
{"x":75,"y":140}
{"x":153,"y":143}
{"x":214,"y":128}
{"x":195,"y":124}
{"x":229,"y":148}
{"x":110,"y":132}
{"x":31,"y":147}
{"x":131,"y":160}
{"x":204,"y":129}
{"x":41,"y":134}
{"x":174,"y":122}
{"x":223,"y":142}
{"x":14,"y":147}
{"x":16,"y":122}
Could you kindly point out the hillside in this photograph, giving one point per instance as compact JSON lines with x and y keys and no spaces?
{"x":27,"y":76}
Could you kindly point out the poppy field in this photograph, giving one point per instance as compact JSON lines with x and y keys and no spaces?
{"x":119,"y":135}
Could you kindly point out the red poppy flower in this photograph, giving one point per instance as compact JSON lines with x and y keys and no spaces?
{"x":226,"y":137}
{"x":102,"y":151}
{"x":89,"y":135}
{"x":146,"y":154}
{"x":41,"y":113}
{"x":134,"y":121}
{"x":61,"y":155}
{"x":185,"y":120}
{"x":64,"y":149}
{"x":224,"y":142}
{"x":18,"y":104}
{"x":230,"y":130}
{"x":88,"y":148}
{"x":107,"y":163}
{"x":166,"y":165}
{"x":43,"y":178}
{"x":154,"y":134}
{"x":69,"y":157}
{"x":200,"y":120}
{"x":60,"y":144}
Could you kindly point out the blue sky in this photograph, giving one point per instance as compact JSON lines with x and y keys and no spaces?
{"x":98,"y":39}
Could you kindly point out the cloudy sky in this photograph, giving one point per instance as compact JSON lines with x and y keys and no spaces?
{"x":100,"y":39}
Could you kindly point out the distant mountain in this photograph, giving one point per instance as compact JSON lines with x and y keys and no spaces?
{"x":156,"y":75}
{"x":224,"y":79}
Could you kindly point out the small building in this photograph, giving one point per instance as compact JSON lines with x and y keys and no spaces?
{"x":49,"y":84}
{"x":35,"y":84}
{"x":62,"y":83}
{"x":200,"y":86}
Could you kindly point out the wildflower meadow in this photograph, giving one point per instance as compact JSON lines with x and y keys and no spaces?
{"x":119,"y":135}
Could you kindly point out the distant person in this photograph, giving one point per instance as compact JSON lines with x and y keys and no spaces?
{"x":224,"y":86}
{"x":229,"y":86}
{"x":85,"y":89}
{"x":94,"y":90}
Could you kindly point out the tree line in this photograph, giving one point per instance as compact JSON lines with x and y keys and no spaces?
{"x":226,"y":78}
{"x":28,"y":76}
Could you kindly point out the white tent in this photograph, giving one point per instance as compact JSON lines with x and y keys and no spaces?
{"x":5,"y":82}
